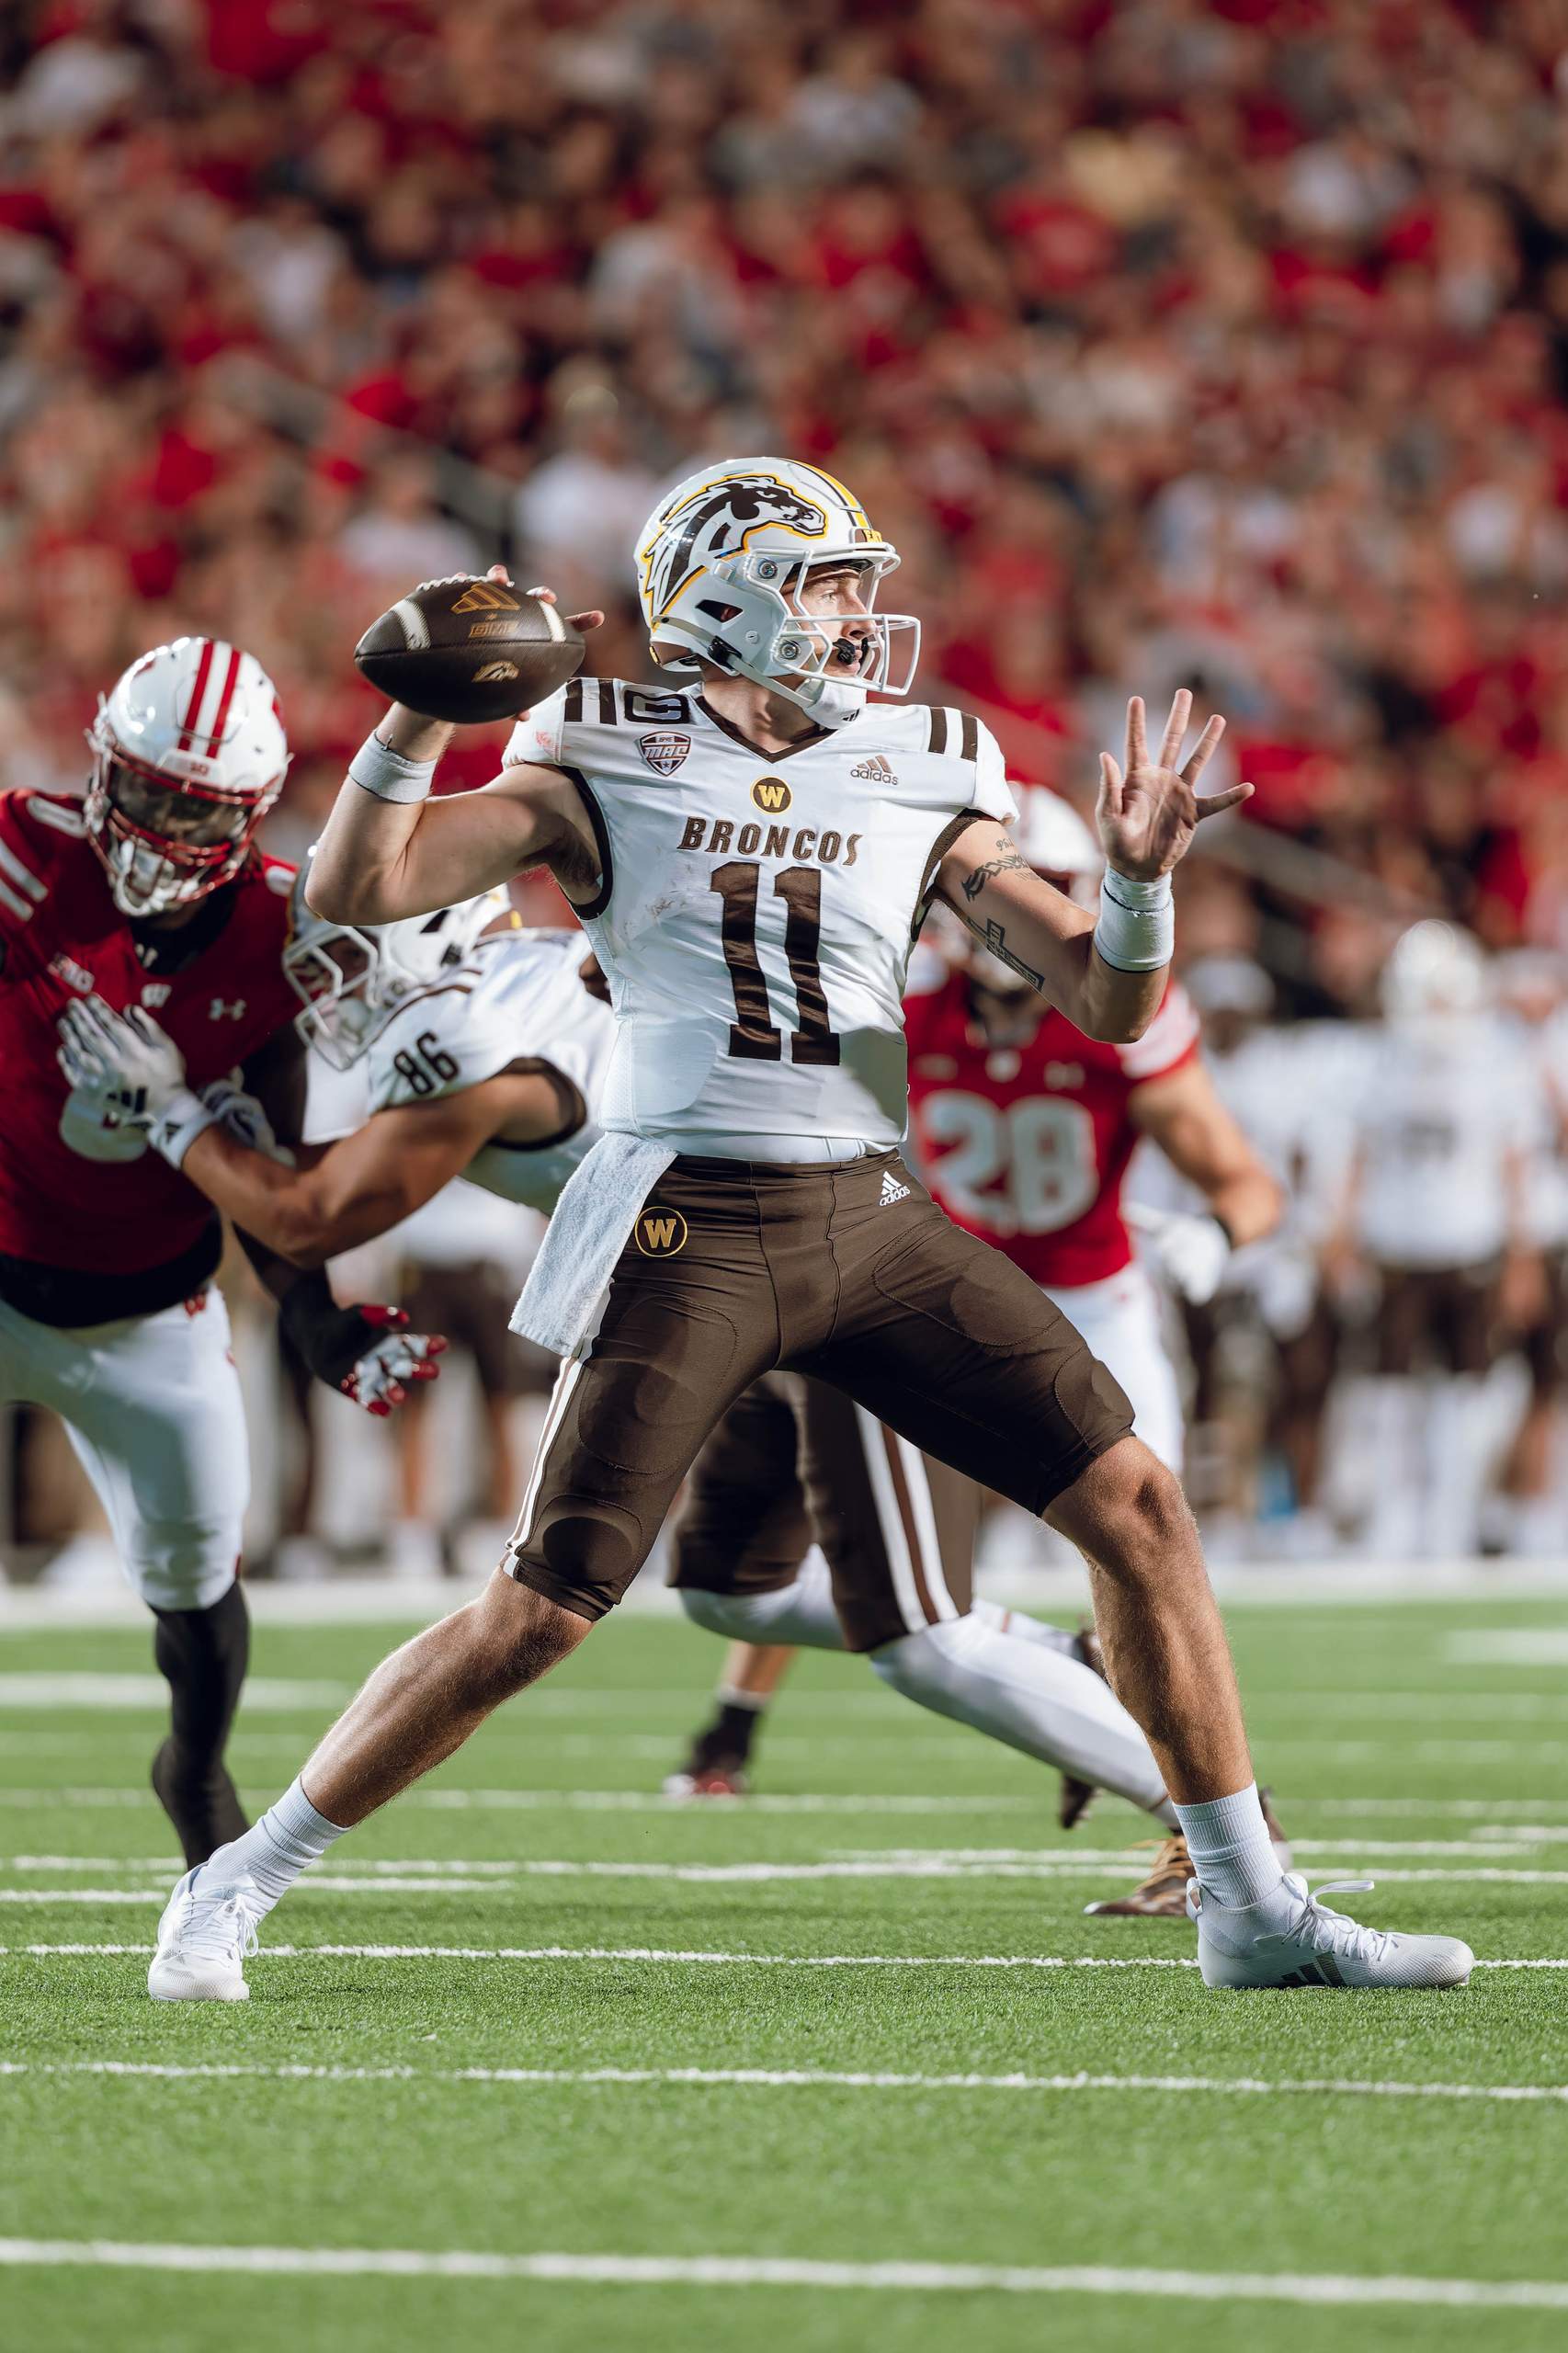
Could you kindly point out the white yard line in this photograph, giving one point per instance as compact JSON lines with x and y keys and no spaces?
{"x":595,"y":1802}
{"x":719,"y":1959}
{"x":800,"y":2079}
{"x":44,"y":1689}
{"x":1121,"y":1868}
{"x":789,"y":2271}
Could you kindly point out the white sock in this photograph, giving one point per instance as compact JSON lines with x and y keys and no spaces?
{"x":1031,"y":1696}
{"x":1025,"y":1629}
{"x":1231,"y":1850}
{"x":801,"y":1613}
{"x":289,"y":1835}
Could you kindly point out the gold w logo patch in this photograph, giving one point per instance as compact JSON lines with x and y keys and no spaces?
{"x":483,"y":596}
{"x":661,"y":1232}
{"x":771,"y":793}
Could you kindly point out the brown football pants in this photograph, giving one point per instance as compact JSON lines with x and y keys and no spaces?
{"x":795,"y":1463}
{"x":850,"y":1275}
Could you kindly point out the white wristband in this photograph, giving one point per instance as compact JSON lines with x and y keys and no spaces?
{"x":183,"y":1118}
{"x":1136,"y":931}
{"x":377,"y":768}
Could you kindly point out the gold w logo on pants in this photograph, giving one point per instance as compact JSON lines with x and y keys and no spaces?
{"x":660,"y":1233}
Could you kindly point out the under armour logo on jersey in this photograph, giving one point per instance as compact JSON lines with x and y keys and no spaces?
{"x":661,"y":1232}
{"x":75,"y":976}
{"x":155,"y":992}
{"x":875,"y":770}
{"x":219,"y":1011}
{"x":891,"y":1190}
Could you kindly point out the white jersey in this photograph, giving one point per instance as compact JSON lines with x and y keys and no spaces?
{"x":756,"y":912}
{"x":1441,"y":1113}
{"x":516,"y":1001}
{"x":1545,"y":1047}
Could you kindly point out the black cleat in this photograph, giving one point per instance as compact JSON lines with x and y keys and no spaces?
{"x":206,"y":1809}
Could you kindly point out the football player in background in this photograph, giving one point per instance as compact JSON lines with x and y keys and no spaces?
{"x":1526,"y":1515}
{"x":1024,"y":1130}
{"x":478,"y":1050}
{"x":746,"y":1209}
{"x":151,"y":893}
{"x":1435,"y":1207}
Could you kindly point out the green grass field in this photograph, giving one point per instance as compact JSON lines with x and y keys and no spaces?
{"x":557,"y":2074}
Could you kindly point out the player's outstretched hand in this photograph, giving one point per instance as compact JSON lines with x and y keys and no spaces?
{"x":1148,"y":813}
{"x":394,"y":1358}
{"x":123,"y":1061}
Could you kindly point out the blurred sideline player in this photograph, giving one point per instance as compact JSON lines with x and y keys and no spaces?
{"x":151,"y":893}
{"x":1024,"y":1130}
{"x":481,"y":1051}
{"x":1264,"y":1348}
{"x":1435,"y":1207}
{"x":1526,"y":1516}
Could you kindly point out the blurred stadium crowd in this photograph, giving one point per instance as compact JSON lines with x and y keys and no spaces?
{"x":1219,"y":342}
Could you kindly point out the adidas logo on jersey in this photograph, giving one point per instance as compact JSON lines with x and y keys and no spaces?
{"x":875,"y":770}
{"x":891,"y":1190}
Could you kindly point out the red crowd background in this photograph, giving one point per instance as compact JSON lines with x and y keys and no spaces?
{"x":1219,"y":342}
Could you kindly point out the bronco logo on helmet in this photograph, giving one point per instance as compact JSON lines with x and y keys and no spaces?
{"x":721,"y":566}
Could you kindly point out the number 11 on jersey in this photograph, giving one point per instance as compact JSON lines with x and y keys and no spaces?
{"x":754,"y":1035}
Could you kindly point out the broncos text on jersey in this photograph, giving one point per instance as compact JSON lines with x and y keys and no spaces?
{"x":757,"y":911}
{"x":1028,"y":1145}
{"x":74,"y":1194}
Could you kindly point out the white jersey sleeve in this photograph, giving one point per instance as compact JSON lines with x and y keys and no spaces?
{"x":536,"y":735}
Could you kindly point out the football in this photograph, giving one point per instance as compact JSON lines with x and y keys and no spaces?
{"x":468,"y":650}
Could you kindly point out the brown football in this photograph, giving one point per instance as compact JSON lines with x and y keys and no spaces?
{"x":468,"y":650}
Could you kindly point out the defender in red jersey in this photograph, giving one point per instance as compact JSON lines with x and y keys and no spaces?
{"x":150,"y":896}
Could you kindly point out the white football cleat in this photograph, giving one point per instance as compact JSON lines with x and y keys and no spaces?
{"x":204,"y":1936}
{"x":1243,"y":1944}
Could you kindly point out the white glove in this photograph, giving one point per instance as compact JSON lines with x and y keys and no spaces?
{"x":135,"y":1074}
{"x":243,"y":1117}
{"x":1190,"y":1253}
{"x":400,"y":1356}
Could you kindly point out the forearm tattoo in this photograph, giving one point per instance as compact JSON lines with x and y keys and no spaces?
{"x":993,"y":935}
{"x":1007,"y":862}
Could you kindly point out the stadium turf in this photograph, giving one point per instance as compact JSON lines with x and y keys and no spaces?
{"x":559,"y":2080}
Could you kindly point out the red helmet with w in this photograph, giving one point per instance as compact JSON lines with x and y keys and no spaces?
{"x":188,"y":755}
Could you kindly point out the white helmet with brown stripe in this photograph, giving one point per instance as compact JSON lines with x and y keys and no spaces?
{"x":188,"y":755}
{"x":721,"y":566}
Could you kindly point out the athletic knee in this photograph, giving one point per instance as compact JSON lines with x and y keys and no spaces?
{"x":921,"y":1663}
{"x":1143,"y":1520}
{"x":514,"y":1636}
{"x":183,"y":1564}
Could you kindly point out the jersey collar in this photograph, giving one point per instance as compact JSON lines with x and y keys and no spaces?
{"x":815,"y":735}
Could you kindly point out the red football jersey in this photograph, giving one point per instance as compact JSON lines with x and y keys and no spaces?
{"x":73,"y":1193}
{"x":1027,"y":1145}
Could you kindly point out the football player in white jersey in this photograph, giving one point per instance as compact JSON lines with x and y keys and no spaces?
{"x":1435,"y":1206}
{"x":456,"y":1048}
{"x":746,"y":1209}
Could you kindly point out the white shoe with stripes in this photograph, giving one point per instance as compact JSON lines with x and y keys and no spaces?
{"x":207,"y":1931}
{"x":1302,"y":1941}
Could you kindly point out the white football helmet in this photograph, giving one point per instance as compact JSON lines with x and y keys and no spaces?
{"x":721,"y":564}
{"x":1437,"y":972}
{"x":188,"y":755}
{"x":351,"y":978}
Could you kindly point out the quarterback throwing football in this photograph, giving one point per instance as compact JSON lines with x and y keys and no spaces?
{"x":751,"y":854}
